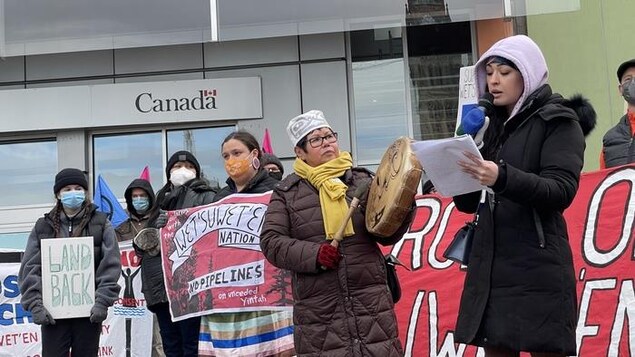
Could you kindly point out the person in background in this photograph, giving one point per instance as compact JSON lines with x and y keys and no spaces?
{"x":520,"y":288}
{"x":185,"y":188}
{"x":142,"y":211}
{"x":243,"y":165}
{"x":73,"y":216}
{"x":141,"y":207}
{"x":272,"y":164}
{"x":342,"y":304}
{"x":618,"y":147}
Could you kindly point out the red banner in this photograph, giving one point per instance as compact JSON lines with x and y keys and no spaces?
{"x":212,"y":260}
{"x":600,"y":223}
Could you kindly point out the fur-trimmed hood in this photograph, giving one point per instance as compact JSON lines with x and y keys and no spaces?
{"x":583,"y":108}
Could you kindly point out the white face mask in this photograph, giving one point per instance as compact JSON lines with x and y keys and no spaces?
{"x":181,"y":176}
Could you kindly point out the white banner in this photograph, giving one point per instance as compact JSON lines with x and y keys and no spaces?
{"x":18,"y":336}
{"x":128,"y":326}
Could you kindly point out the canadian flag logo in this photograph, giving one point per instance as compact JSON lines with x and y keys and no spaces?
{"x":209,"y":92}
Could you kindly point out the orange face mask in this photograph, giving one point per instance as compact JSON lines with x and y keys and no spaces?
{"x":237,"y":167}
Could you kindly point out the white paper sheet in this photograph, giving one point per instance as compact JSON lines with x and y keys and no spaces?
{"x":439,"y":160}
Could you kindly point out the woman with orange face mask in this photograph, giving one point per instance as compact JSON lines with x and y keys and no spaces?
{"x":242,"y":155}
{"x":253,"y":333}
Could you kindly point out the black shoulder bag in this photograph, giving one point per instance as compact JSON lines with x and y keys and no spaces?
{"x":461,"y":245}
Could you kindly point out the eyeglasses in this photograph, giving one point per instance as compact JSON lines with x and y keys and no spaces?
{"x":317,"y":141}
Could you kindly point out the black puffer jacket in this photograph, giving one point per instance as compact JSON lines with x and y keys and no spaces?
{"x":619,"y":144}
{"x":343,"y":312}
{"x":194,"y":193}
{"x":520,"y":288}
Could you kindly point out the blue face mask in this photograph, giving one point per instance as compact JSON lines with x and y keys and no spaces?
{"x":140,"y":204}
{"x":73,"y":199}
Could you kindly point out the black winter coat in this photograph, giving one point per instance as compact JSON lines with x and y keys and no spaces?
{"x":618,"y":144}
{"x":194,"y":193}
{"x":520,"y":290}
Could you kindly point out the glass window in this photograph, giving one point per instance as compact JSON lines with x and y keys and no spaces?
{"x":435,"y":55}
{"x":121,"y":158}
{"x":379,"y":92}
{"x":28,"y":172}
{"x":205,"y":144}
{"x":380,"y":107}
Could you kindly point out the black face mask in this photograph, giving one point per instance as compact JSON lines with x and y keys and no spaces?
{"x":628,"y":91}
{"x":276,"y":174}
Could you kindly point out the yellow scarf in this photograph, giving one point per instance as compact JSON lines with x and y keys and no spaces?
{"x":332,"y":190}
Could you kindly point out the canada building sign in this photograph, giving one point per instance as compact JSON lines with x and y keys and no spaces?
{"x":179,"y":101}
{"x":205,"y":99}
{"x":125,"y":104}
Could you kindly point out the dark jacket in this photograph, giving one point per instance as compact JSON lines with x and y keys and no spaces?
{"x":618,"y":145}
{"x":520,"y":288}
{"x":260,"y":183}
{"x":129,"y":228}
{"x":107,"y":257}
{"x":194,"y":193}
{"x":343,"y":312}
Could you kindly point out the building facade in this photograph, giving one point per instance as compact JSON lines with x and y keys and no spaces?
{"x":114,"y":111}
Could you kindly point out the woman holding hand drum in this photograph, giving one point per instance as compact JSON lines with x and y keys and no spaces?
{"x":342,"y":304}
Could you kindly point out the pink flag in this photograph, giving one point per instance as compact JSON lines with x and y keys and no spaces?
{"x":266,"y":143}
{"x":145,"y":174}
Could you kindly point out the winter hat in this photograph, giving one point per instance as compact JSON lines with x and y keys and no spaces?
{"x":305,"y":123}
{"x":182,"y":155}
{"x":623,"y":67}
{"x":70,"y":176}
{"x":271,"y":159}
{"x":502,"y":61}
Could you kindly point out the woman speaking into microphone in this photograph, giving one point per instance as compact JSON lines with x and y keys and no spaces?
{"x":342,"y":304}
{"x":519,"y":292}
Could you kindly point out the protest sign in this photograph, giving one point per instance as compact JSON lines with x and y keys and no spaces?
{"x":68,"y":276}
{"x":468,"y":98}
{"x":127,"y":332}
{"x":600,"y":223}
{"x":212,"y":260}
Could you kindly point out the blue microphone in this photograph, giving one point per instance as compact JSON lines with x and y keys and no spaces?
{"x":474,"y":120}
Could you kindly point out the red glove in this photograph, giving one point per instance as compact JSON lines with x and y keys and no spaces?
{"x":328,"y":256}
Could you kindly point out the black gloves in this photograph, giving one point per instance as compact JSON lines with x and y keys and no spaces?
{"x":41,"y":316}
{"x":98,"y":314}
{"x":161,"y":220}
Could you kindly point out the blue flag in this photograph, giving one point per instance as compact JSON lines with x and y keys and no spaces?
{"x":107,"y":202}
